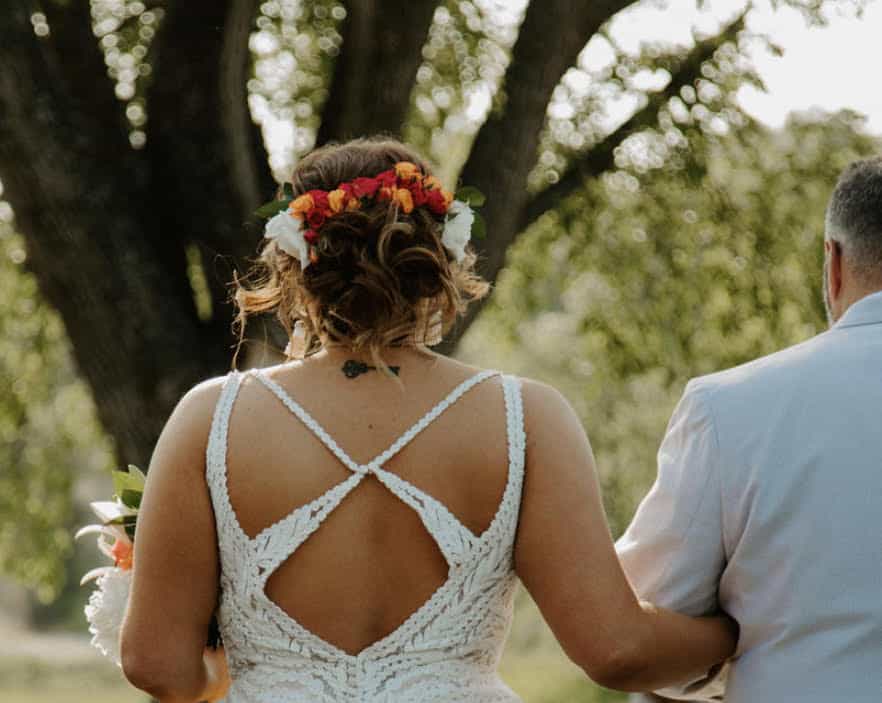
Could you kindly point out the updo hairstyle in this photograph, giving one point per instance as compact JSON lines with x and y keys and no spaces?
{"x":381,"y":277}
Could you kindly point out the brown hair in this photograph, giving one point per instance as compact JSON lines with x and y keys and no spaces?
{"x":382,"y":277}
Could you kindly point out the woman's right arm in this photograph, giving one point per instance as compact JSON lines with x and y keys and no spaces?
{"x":565,"y":557}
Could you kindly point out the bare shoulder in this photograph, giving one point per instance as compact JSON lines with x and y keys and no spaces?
{"x":198,"y":403}
{"x":186,"y":432}
{"x":546,"y":409}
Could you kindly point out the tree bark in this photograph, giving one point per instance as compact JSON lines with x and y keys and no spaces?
{"x":375,"y":71}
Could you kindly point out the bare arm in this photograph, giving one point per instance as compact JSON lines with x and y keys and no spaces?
{"x":565,"y":557}
{"x":175,"y":585}
{"x":673,"y":552}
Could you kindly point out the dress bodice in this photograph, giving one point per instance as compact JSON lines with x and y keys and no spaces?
{"x":447,"y":650}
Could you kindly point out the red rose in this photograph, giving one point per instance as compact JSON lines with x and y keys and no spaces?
{"x":311,"y":236}
{"x":388,"y":179}
{"x":436,"y":201}
{"x":315,"y":219}
{"x":417,"y":192}
{"x":364,"y":187}
{"x":320,"y":199}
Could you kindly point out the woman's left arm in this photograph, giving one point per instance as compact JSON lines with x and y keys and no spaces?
{"x":176,"y":567}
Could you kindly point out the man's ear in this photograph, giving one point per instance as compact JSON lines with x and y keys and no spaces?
{"x":833,"y":250}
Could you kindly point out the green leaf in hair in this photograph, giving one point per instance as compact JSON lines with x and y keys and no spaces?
{"x":470,"y":195}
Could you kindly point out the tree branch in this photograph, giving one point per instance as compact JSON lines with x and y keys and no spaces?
{"x":600,"y":157}
{"x":375,"y":71}
{"x":504,"y":151}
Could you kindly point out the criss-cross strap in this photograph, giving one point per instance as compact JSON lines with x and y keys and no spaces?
{"x":313,"y":425}
{"x":280,"y":540}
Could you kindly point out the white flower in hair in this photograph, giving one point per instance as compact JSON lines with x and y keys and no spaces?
{"x":288,"y":233}
{"x":458,"y":229}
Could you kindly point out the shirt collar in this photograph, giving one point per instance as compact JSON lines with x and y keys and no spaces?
{"x":866,"y":311}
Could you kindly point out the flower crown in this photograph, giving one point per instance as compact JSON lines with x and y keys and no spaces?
{"x":294,"y":223}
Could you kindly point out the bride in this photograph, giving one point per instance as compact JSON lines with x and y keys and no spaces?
{"x":358,"y":517}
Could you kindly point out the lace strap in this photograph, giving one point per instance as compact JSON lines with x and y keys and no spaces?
{"x":308,"y":421}
{"x":377,"y":462}
{"x":431,"y":416}
{"x":452,"y":537}
{"x":216,"y":451}
{"x":517,"y":447}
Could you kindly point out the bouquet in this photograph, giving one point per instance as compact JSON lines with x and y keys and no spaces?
{"x":116,"y":539}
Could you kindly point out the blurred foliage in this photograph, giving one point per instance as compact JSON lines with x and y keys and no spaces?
{"x":48,"y":429}
{"x":654,"y":275}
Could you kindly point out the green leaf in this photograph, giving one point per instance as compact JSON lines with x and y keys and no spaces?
{"x":271,"y":208}
{"x":288,"y":190}
{"x":470,"y":195}
{"x":120,"y":481}
{"x":131,"y":498}
{"x":136,"y":476}
{"x":479,"y":227}
{"x":128,"y":480}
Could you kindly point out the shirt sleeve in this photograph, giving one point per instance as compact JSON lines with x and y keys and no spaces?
{"x":673,"y":551}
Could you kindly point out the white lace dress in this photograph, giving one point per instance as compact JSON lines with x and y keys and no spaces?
{"x":448,"y":650}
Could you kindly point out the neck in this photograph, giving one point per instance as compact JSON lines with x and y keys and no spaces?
{"x":335,"y":353}
{"x":854,"y":295}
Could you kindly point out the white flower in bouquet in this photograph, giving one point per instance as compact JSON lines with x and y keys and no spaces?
{"x":107,"y":604}
{"x":106,"y":609}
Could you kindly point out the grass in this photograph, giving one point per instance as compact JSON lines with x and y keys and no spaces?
{"x":29,"y":680}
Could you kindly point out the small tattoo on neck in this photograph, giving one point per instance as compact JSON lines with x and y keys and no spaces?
{"x":354,"y":369}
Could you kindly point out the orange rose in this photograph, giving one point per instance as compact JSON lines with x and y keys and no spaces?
{"x":432,"y":183}
{"x":122,"y":554}
{"x":337,"y":200}
{"x":385,"y":193}
{"x":404,"y":200}
{"x":407,"y":171}
{"x":299,"y":207}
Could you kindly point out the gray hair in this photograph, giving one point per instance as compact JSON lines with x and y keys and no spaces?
{"x":854,"y":217}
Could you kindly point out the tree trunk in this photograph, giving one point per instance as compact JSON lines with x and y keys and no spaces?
{"x":105,"y":225}
{"x":375,"y":71}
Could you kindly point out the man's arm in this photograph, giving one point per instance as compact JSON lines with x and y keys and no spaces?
{"x":673,"y":551}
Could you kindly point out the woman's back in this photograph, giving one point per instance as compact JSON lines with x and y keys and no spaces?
{"x":372,"y":562}
{"x":397,"y":572}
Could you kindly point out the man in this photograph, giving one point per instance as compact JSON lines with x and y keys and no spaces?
{"x":768,"y":501}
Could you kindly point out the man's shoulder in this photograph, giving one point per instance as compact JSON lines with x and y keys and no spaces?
{"x":767,"y":376}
